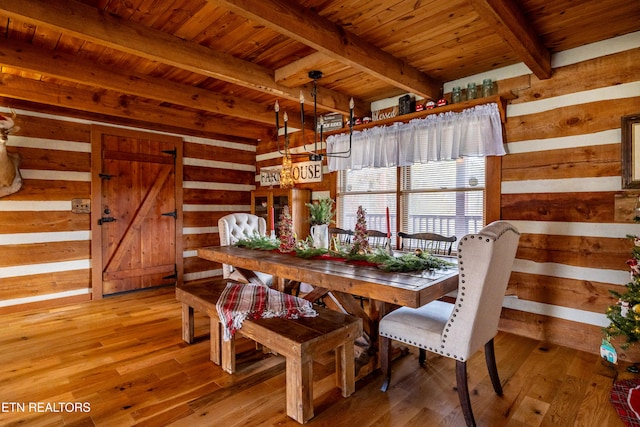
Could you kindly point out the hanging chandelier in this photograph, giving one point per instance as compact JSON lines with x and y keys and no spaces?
{"x":318,"y":124}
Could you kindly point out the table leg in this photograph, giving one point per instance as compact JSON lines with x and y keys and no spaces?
{"x":251,"y":276}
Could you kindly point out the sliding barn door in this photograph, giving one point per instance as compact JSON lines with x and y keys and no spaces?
{"x":136,"y":214}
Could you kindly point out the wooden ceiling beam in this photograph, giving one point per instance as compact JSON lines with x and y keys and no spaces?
{"x":121,"y":106}
{"x":510,"y":23}
{"x":296,"y":73}
{"x":85,"y":22}
{"x":26,"y":57}
{"x":299,"y":23}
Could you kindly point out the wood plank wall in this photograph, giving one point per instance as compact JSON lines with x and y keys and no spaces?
{"x":44,"y":248}
{"x":45,"y":257}
{"x":561,"y":186}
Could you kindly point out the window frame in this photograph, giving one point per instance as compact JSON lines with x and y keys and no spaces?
{"x":492,"y":193}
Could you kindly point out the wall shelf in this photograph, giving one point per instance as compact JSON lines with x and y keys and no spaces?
{"x":437,"y":110}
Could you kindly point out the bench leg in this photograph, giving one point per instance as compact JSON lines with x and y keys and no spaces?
{"x":215,"y":336}
{"x":299,"y":388}
{"x":228,"y":351}
{"x":187,"y":323}
{"x":345,"y":368}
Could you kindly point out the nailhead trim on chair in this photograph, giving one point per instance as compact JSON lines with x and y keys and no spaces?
{"x":460,"y":299}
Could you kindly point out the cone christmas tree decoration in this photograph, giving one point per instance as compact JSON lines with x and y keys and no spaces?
{"x":360,"y":235}
{"x":285,"y":230}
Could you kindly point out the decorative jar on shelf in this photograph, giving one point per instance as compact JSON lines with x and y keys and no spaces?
{"x":487,"y":88}
{"x":471,"y":91}
{"x":456,"y":95}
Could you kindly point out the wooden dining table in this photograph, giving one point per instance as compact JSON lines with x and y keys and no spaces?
{"x":337,"y":281}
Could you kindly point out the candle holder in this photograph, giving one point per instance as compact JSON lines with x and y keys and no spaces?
{"x":318,"y":125}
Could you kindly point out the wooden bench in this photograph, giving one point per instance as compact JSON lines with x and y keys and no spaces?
{"x":299,"y":341}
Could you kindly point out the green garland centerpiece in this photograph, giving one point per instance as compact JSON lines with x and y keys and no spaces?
{"x":416,"y":261}
{"x":305,"y":249}
{"x":256,"y":241}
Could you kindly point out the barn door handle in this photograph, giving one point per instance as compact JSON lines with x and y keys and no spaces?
{"x":106,"y":219}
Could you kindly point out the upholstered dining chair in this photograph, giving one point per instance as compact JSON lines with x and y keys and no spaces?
{"x":458,"y":330}
{"x":236,"y":226}
{"x":436,"y":244}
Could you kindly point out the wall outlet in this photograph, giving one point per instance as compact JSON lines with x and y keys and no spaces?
{"x":81,"y":206}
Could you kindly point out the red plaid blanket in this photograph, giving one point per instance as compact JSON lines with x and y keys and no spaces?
{"x":624,"y":398}
{"x":248,"y":301}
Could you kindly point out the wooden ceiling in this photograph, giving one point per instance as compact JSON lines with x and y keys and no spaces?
{"x":216,"y":68}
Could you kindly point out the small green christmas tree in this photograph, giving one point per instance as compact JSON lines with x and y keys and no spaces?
{"x":625,"y":315}
{"x":285,"y":230}
{"x":360,"y":235}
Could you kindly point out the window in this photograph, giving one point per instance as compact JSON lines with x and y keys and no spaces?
{"x":445,"y":197}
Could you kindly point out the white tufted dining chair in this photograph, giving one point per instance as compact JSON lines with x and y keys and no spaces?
{"x":459,"y":330}
{"x":236,"y":226}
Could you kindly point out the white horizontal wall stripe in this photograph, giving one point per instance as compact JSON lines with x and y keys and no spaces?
{"x":202,"y":275}
{"x":43,"y":115}
{"x":56,"y":236}
{"x":26,"y":300}
{"x":190,"y":253}
{"x":625,"y":90}
{"x":199,"y":230}
{"x":202,"y":185}
{"x":571,"y":314}
{"x":83,"y":121}
{"x":53,"y":175}
{"x":34,"y":206}
{"x":49,"y":144}
{"x":219,"y":143}
{"x":503,"y":73}
{"x":615,"y":277}
{"x":587,"y":229}
{"x":216,"y":208}
{"x":51,"y":267}
{"x":596,"y":50}
{"x":612,"y":136}
{"x":296,"y":150}
{"x":566,"y":185}
{"x":190,"y":161}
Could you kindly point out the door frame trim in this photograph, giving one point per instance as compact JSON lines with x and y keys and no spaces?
{"x":97,"y":131}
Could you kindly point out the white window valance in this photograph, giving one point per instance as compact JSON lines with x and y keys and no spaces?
{"x":473,"y":132}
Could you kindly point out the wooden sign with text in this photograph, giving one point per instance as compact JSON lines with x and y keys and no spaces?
{"x":301,"y":172}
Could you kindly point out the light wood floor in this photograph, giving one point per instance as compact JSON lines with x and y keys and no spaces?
{"x":121,"y":360}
